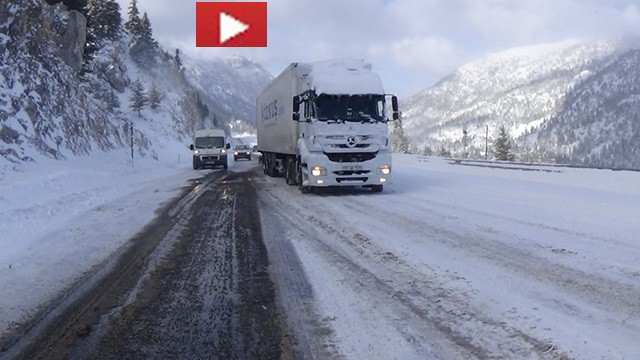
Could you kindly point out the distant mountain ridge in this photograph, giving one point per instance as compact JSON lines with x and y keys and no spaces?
{"x":229,"y":86}
{"x":553,"y":99}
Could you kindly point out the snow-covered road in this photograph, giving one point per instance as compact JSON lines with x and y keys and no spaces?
{"x":450,"y":261}
{"x":462,"y":262}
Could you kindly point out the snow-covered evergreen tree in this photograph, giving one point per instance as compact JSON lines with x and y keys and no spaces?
{"x":178,"y":59}
{"x":138,"y":98}
{"x":444,"y":152}
{"x":134,"y":23}
{"x":502,"y":146}
{"x":155,"y":97}
{"x":103,"y":19}
{"x":465,"y":143}
{"x":426,"y":151}
{"x":144,"y":48}
{"x":399,"y":140}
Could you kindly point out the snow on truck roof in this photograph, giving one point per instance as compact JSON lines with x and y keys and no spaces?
{"x":343,"y":76}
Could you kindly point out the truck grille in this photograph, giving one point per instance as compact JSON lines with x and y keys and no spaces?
{"x":351,"y":157}
{"x":358,"y":146}
{"x":351,"y":172}
{"x":354,"y":180}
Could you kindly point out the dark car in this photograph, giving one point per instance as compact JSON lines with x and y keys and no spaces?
{"x":241,"y":152}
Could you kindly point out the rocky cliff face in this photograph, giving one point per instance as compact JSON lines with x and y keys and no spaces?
{"x":55,"y":104}
{"x":44,"y":105}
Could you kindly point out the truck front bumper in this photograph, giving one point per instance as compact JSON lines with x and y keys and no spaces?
{"x":321,"y":172}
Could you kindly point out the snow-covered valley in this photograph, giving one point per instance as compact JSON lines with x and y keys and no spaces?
{"x":450,"y":261}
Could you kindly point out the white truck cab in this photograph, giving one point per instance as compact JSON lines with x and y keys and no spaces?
{"x":209,"y":149}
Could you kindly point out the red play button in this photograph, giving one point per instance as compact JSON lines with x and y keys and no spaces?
{"x":231,"y":24}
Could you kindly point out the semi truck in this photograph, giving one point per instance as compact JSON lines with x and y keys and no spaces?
{"x":325,"y":124}
{"x":209,"y":149}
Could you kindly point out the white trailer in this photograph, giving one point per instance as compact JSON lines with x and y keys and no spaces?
{"x":325,"y":124}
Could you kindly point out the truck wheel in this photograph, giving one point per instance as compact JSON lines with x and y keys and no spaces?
{"x":303,"y":189}
{"x":196,"y":164}
{"x":291,"y":172}
{"x":376,"y":188}
{"x":271,"y":166}
{"x":225,"y":166}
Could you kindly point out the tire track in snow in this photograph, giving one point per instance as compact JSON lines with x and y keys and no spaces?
{"x":440,"y":311}
{"x":597,"y":290}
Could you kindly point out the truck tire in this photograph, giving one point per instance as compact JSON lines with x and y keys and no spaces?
{"x":196,"y":163}
{"x":271,"y":164}
{"x":225,"y":165}
{"x":291,"y":172}
{"x":303,"y":189}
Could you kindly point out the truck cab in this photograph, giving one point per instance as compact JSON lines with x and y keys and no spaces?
{"x":209,"y":149}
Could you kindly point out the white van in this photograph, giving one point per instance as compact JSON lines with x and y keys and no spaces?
{"x":209,"y":149}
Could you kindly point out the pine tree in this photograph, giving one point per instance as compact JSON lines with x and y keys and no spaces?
{"x":465,"y":143}
{"x":444,"y":152}
{"x":103,"y":19}
{"x":399,"y":140}
{"x":143,"y":50}
{"x":138,"y":98}
{"x":155,"y":97}
{"x":178,"y":59}
{"x":426,"y":151}
{"x":134,"y":24}
{"x":502,"y":146}
{"x":146,"y":32}
{"x":111,"y":99}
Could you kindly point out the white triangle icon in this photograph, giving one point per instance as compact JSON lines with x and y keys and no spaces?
{"x":230,"y":27}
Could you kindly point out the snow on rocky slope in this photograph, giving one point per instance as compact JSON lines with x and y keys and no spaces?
{"x":550,"y":90}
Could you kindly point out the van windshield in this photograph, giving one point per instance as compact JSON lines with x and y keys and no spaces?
{"x":209,"y":142}
{"x":349,"y":107}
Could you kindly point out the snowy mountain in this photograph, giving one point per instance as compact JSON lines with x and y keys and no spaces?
{"x":57,"y":102}
{"x":554,"y":99}
{"x":229,"y":86}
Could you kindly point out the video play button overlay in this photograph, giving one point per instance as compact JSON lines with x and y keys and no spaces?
{"x":231,"y":24}
{"x":230,"y":27}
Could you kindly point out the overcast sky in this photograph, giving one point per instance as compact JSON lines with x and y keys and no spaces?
{"x":411,"y":43}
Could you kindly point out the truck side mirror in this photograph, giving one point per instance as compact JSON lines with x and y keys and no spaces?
{"x":228,"y":146}
{"x":394,"y":107}
{"x":191,"y":147}
{"x":296,"y":108}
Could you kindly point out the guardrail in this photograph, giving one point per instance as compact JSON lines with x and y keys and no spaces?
{"x":527,"y":166}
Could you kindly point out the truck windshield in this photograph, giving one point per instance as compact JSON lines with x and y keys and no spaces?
{"x":209,"y":142}
{"x":349,"y":107}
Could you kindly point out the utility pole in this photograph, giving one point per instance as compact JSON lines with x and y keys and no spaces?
{"x":486,"y":143}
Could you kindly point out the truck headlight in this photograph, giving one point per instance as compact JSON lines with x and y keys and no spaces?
{"x":384,"y":170}
{"x":235,"y":153}
{"x":318,"y":171}
{"x":224,"y":151}
{"x":196,"y":152}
